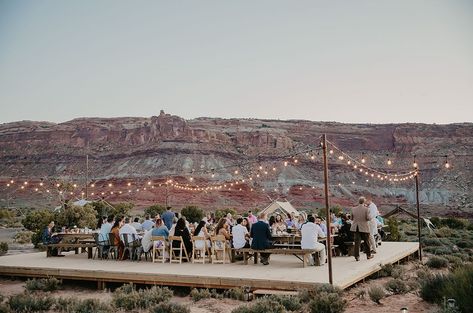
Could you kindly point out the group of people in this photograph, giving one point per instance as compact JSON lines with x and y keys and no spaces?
{"x":243,"y":231}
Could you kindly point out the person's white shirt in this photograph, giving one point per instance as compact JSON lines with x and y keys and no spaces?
{"x":310,"y":233}
{"x":128,"y":229}
{"x":137,"y":226}
{"x":373,"y":223}
{"x":239,"y":236}
{"x":146,"y":242}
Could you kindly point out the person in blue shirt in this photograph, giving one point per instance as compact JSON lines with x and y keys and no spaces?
{"x":168,"y":217}
{"x":160,"y":229}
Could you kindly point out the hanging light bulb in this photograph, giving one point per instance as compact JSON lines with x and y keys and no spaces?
{"x":389,"y":160}
{"x":331,"y":151}
{"x":415,"y":165}
{"x":236,"y":172}
{"x":447,"y":165}
{"x":363,"y":160}
{"x":285,"y":163}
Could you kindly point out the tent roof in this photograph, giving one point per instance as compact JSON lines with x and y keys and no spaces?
{"x":282,"y":206}
{"x":399,"y":210}
{"x":81,"y":202}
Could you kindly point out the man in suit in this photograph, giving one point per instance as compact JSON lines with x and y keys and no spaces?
{"x":360,"y":226}
{"x":261,"y":235}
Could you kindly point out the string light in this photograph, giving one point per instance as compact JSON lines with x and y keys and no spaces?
{"x":415,"y":165}
{"x":447,"y":165}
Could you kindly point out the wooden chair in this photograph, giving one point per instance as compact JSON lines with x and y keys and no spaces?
{"x":174,"y":258}
{"x":160,"y":246}
{"x":200,"y":250}
{"x":219,"y":246}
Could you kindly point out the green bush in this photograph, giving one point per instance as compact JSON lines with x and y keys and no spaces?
{"x":154,"y":210}
{"x":3,"y":248}
{"x":307,"y":295}
{"x":432,"y":286}
{"x":465,"y":243}
{"x":128,"y":298}
{"x":170,"y":308}
{"x":455,"y":223}
{"x":376,"y":293}
{"x":43,"y":284}
{"x":199,"y":294}
{"x":290,"y":303}
{"x":26,"y":302}
{"x":393,"y":226}
{"x":193,"y":214}
{"x":102,"y":208}
{"x":82,"y":306}
{"x":74,"y":215}
{"x":437,"y":262}
{"x":386,"y":270}
{"x":263,"y":305}
{"x":6,"y":214}
{"x":431,"y":242}
{"x":444,"y":232}
{"x":397,"y":286}
{"x":235,"y":293}
{"x":327,"y":302}
{"x":36,"y":221}
{"x":219,"y":213}
{"x":460,"y":288}
{"x":397,"y":272}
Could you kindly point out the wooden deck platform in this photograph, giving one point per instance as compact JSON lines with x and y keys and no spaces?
{"x":283,"y":273}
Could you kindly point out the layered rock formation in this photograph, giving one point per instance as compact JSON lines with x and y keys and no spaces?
{"x":210,"y":150}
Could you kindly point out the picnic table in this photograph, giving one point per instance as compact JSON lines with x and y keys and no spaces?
{"x":76,"y":241}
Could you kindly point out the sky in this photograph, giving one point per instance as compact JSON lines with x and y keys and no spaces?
{"x":348,"y":61}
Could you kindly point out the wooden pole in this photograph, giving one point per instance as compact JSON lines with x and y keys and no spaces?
{"x":327,"y":210}
{"x":418,"y":215}
{"x":86,"y":176}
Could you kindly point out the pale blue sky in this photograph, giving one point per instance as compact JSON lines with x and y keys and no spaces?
{"x":348,"y":61}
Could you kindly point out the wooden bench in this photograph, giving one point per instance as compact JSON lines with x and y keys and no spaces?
{"x":76,"y":246}
{"x":301,"y":254}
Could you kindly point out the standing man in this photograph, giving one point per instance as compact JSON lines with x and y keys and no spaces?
{"x":373,"y":223}
{"x":168,"y":217}
{"x":251,"y":218}
{"x":261,"y":235}
{"x":361,"y":217}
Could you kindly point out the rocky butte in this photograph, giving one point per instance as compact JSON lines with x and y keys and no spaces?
{"x":132,"y":158}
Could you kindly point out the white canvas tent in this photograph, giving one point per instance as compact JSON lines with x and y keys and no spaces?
{"x":280,"y":207}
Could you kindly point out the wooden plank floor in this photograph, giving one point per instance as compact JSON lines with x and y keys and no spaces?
{"x":284,"y":272}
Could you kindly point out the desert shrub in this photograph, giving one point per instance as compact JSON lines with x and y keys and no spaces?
{"x":413,"y":284}
{"x":154,"y":210}
{"x":444,"y":232}
{"x":23,"y":237}
{"x":75,"y":215}
{"x":376,"y":293}
{"x":423,"y":273}
{"x":128,"y":298}
{"x":43,"y":284}
{"x":263,"y":305}
{"x":199,"y":294}
{"x":4,"y":308}
{"x":6,"y":214}
{"x":465,"y":243}
{"x":455,"y":223}
{"x":432,"y":286}
{"x":290,"y":303}
{"x":168,"y":307}
{"x":219,"y":213}
{"x":192,"y":213}
{"x":436,"y":221}
{"x":102,"y":208}
{"x":459,"y":286}
{"x":3,"y":247}
{"x":397,"y":272}
{"x":431,"y":242}
{"x":235,"y":293}
{"x":82,"y":306}
{"x":443,"y":250}
{"x":36,"y":221}
{"x":26,"y":302}
{"x":386,"y":270}
{"x":437,"y":262}
{"x":455,"y":261}
{"x":393,"y":226}
{"x":327,"y":302}
{"x":397,"y":286}
{"x":306,"y":295}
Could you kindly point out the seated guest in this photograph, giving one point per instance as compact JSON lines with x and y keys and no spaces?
{"x":223,"y":228}
{"x":271,"y":221}
{"x":240,"y":234}
{"x":137,"y":225}
{"x":201,"y":231}
{"x":115,"y":233}
{"x":183,"y":231}
{"x":160,"y":229}
{"x":129,"y":230}
{"x":148,"y":223}
{"x":101,"y":221}
{"x":106,"y":229}
{"x":230,"y":220}
{"x":301,"y":219}
{"x":261,"y":235}
{"x":310,"y":233}
{"x":251,"y":218}
{"x":291,"y":220}
{"x":47,"y":237}
{"x":279,"y":226}
{"x":321,"y":224}
{"x":344,"y":235}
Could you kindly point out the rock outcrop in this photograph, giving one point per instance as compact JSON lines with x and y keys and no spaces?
{"x":164,"y":147}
